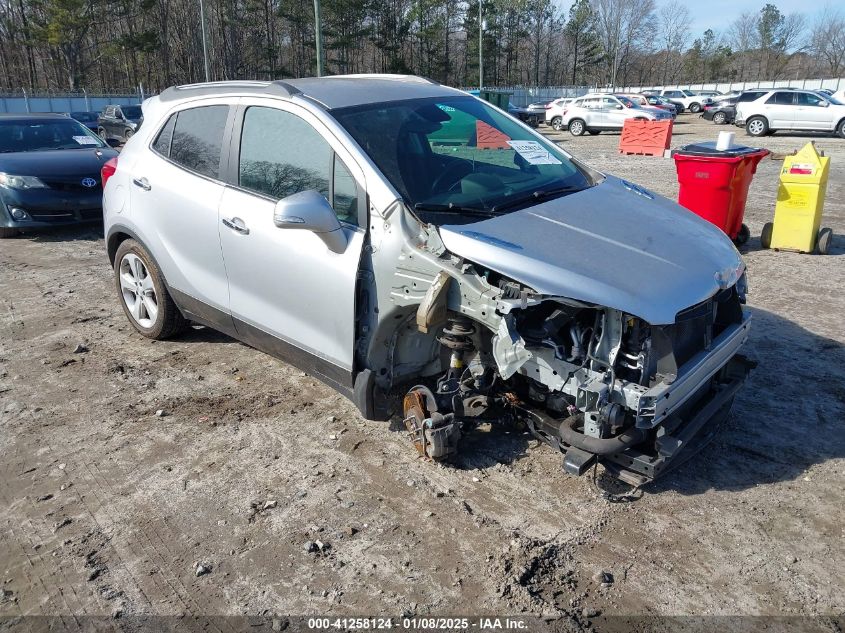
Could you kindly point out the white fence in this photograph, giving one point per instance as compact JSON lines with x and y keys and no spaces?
{"x":806,"y":84}
{"x":19,"y":103}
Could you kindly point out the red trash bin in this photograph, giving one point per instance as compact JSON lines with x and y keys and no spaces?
{"x":714,"y":183}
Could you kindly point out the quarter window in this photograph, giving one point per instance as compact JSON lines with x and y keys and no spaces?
{"x":198,"y":137}
{"x":282,"y":154}
{"x":162,"y":142}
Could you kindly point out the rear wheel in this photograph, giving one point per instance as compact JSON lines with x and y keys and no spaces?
{"x":143,"y":295}
{"x":557,"y":123}
{"x":720,"y":118}
{"x":757,"y":126}
{"x":840,"y":129}
{"x":7,"y":232}
{"x":823,"y":241}
{"x":695,"y":108}
{"x":766,"y":235}
{"x":577,"y":127}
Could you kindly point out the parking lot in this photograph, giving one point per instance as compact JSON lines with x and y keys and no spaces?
{"x":128,"y":462}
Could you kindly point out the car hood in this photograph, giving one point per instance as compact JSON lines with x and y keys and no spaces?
{"x":616,"y":245}
{"x":70,"y":162}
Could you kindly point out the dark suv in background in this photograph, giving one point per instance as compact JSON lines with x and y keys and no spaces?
{"x":119,"y":122}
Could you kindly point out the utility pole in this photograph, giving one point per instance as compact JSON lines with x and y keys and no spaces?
{"x":318,"y":32}
{"x":480,"y":52}
{"x":204,"y":42}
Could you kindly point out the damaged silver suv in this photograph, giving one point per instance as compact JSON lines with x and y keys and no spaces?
{"x":385,"y":230}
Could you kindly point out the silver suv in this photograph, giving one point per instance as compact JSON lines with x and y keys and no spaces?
{"x":386,"y":230}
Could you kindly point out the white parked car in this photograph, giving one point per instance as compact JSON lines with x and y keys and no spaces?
{"x":691,"y":101}
{"x":596,"y":113}
{"x":555,"y":111}
{"x":791,"y":110}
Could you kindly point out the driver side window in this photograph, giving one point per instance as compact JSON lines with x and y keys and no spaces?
{"x":282,"y":154}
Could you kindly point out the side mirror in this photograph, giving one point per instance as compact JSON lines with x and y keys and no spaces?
{"x":309,"y":210}
{"x":824,"y":103}
{"x":618,"y":106}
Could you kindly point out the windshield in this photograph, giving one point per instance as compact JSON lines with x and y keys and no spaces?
{"x":458,"y":155}
{"x":688,"y":93}
{"x":831,"y":98}
{"x":37,"y":136}
{"x":628,"y":103}
{"x":131,"y":112}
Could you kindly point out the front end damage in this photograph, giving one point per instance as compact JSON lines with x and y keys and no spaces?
{"x":596,"y":384}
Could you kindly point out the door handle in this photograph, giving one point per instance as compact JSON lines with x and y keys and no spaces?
{"x":143,"y":183}
{"x":236,"y":224}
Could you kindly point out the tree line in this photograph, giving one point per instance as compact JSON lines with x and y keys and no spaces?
{"x":115,"y":45}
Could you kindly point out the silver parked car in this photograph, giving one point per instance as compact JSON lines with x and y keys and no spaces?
{"x":385,"y":230}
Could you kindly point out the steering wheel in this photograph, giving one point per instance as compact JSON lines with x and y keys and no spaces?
{"x":452,"y":174}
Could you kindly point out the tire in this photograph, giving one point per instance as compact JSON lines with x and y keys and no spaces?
{"x":127,"y":135}
{"x":840,"y":129}
{"x":138,"y":280}
{"x":743,"y":234}
{"x":7,"y":232}
{"x":594,"y":132}
{"x":102,"y":133}
{"x":766,"y":235}
{"x":823,"y":241}
{"x":577,"y":127}
{"x":557,"y":123}
{"x":756,"y":126}
{"x":695,"y":108}
{"x":720,"y":118}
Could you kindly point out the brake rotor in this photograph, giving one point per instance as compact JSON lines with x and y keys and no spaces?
{"x":435,"y":436}
{"x":416,"y":413}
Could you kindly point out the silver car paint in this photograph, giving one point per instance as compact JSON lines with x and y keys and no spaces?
{"x":657,"y":257}
{"x":404,"y":257}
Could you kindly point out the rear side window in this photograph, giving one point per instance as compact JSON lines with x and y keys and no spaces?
{"x":781,"y":98}
{"x":198,"y":137}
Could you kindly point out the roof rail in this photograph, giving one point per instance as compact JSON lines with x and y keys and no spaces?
{"x":395,"y":77}
{"x":280,"y":88}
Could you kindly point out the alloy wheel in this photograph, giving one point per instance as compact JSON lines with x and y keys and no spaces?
{"x":138,"y":291}
{"x":756,"y":127}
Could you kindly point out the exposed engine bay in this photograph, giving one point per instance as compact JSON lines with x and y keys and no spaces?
{"x":594,"y":383}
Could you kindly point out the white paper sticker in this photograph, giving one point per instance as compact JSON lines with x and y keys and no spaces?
{"x":533,"y":153}
{"x":85,"y":140}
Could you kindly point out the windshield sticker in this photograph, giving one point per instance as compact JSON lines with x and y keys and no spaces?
{"x":534,"y":153}
{"x":85,"y":140}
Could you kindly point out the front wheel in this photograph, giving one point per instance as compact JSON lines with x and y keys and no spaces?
{"x":557,"y":124}
{"x":840,"y":129}
{"x":695,"y":108}
{"x":577,"y":127}
{"x":101,"y":133}
{"x":743,"y":234}
{"x":823,"y":241}
{"x":757,"y":126}
{"x":143,"y":295}
{"x":766,"y":235}
{"x":127,"y":135}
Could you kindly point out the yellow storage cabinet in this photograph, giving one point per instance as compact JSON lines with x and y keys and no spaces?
{"x":798,"y":212}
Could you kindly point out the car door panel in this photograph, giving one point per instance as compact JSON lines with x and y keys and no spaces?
{"x":285,"y":286}
{"x":178,"y":209}
{"x":811,"y":115}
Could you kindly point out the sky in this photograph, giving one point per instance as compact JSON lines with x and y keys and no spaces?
{"x":718,"y":14}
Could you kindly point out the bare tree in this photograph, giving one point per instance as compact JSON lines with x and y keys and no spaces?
{"x":827,"y":41}
{"x":674,"y":28}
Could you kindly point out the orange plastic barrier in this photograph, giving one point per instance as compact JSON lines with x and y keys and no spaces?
{"x":647,"y":138}
{"x":488,"y":137}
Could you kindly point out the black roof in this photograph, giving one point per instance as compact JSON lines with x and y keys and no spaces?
{"x":34,"y":116}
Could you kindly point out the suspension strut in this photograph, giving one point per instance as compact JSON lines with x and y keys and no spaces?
{"x":456,"y":336}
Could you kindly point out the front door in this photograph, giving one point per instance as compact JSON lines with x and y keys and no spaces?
{"x":289,"y":294}
{"x":812,"y":112}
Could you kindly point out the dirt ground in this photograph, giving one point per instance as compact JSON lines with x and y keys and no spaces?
{"x":107,"y":507}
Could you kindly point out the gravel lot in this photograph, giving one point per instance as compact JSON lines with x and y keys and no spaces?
{"x":107,"y":507}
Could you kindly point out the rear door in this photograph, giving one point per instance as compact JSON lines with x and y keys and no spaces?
{"x":289,"y":294}
{"x":779,"y":109}
{"x":175,"y":194}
